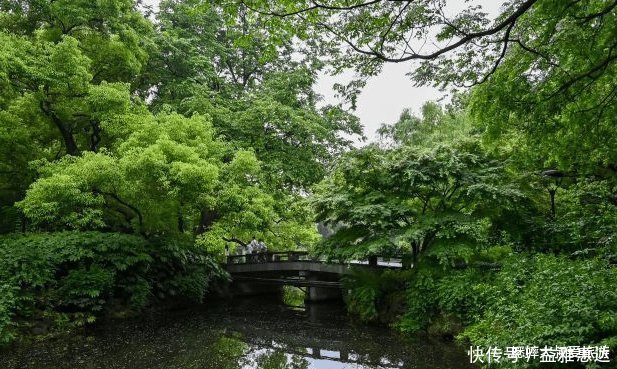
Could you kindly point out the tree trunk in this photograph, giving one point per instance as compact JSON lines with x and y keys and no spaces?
{"x":551,"y":194}
{"x":208,"y":217}
{"x":180,"y":221}
{"x":65,"y":132}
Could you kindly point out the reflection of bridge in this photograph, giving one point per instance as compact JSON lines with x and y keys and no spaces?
{"x":335,"y":355}
{"x":266,"y":272}
{"x":323,"y":339}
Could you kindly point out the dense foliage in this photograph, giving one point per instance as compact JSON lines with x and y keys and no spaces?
{"x":414,"y":199}
{"x":156,"y":142}
{"x":62,"y":279}
{"x":503,"y":253}
{"x":133,"y":149}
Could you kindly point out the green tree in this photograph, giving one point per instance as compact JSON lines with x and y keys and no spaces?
{"x":205,"y":49}
{"x":65,"y":67}
{"x":222,"y":62}
{"x":260,"y":97}
{"x":422,"y":200}
{"x":545,"y":68}
{"x":466,"y":47}
{"x":554,"y":90}
{"x":435,"y":125}
{"x":113,"y":34}
{"x":168,"y":176}
{"x":63,"y":97}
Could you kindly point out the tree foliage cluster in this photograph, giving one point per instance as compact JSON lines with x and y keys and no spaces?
{"x":54,"y":281}
{"x":168,"y":135}
{"x":506,"y":197}
{"x":503,"y":252}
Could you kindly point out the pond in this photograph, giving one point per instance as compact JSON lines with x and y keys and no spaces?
{"x":244,"y":333}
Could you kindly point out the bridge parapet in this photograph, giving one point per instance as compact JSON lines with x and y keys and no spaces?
{"x":304,"y":256}
{"x":264,"y":257}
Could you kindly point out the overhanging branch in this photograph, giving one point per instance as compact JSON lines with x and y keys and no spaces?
{"x":506,"y":24}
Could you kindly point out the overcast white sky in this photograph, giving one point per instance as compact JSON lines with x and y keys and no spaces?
{"x":385,"y":96}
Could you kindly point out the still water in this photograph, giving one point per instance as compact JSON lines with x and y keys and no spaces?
{"x":242,"y":334}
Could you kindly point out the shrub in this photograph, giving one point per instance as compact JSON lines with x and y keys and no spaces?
{"x":533,"y":300}
{"x":549,"y":300}
{"x":438,"y":290}
{"x":75,"y":276}
{"x":7,"y":309}
{"x":367,"y":290}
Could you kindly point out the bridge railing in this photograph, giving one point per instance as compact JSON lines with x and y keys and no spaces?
{"x":291,"y":256}
{"x":263,"y":257}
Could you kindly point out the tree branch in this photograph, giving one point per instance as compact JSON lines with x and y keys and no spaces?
{"x":315,"y":6}
{"x":588,"y":74}
{"x":119,"y":200}
{"x":468,"y":37}
{"x":67,"y":136}
{"x":235,"y":240}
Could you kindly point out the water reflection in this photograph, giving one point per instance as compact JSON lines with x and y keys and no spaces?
{"x":248,"y":333}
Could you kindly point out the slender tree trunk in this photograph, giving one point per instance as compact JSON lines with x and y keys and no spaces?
{"x":551,"y":194}
{"x":65,"y":132}
{"x":180,"y":221}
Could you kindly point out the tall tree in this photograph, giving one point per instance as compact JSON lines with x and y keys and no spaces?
{"x":416,"y":200}
{"x":168,"y":175}
{"x":546,"y":67}
{"x":256,"y":83}
{"x":64,"y":70}
{"x":204,"y":48}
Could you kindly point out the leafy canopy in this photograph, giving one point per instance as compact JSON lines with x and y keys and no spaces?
{"x":414,"y":198}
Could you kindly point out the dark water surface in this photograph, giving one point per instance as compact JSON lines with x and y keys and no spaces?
{"x":247,"y":333}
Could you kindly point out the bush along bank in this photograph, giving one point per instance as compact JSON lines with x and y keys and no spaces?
{"x":52,"y":282}
{"x":529,"y":300}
